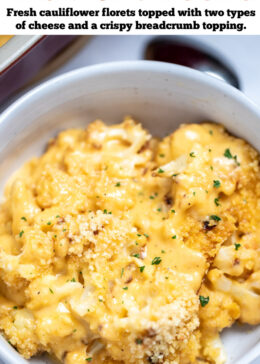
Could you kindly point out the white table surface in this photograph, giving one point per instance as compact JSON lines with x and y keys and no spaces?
{"x":241,"y":52}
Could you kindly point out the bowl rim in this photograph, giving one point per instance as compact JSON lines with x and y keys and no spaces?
{"x":130,"y":66}
{"x":7,"y":353}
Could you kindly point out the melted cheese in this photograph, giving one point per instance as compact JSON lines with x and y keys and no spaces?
{"x":111,"y":239}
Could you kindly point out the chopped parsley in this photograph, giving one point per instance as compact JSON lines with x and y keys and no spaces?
{"x":55,"y":236}
{"x":139,"y":234}
{"x":194,"y":193}
{"x":192,"y":155}
{"x":139,"y":341}
{"x":73,"y":280}
{"x":136,"y":255}
{"x":211,"y":132}
{"x":74,"y":330}
{"x":204,"y":300}
{"x":125,"y":288}
{"x":175,"y":174}
{"x":146,"y":235}
{"x":57,"y":216}
{"x":51,"y":291}
{"x":23,"y":218}
{"x":107,"y":212}
{"x":162,"y":155}
{"x":211,"y":167}
{"x":215,"y":218}
{"x":88,"y":359}
{"x":122,"y":272}
{"x":237,"y":246}
{"x":163,"y":251}
{"x":118,"y":184}
{"x":49,"y":223}
{"x":15,"y":307}
{"x":160,"y":170}
{"x":229,"y":155}
{"x":237,"y":162}
{"x":216,"y":200}
{"x":216,"y":183}
{"x":142,"y":268}
{"x":21,"y":233}
{"x":159,"y":210}
{"x":173,"y":211}
{"x":174,"y":237}
{"x":156,"y":261}
{"x":152,"y":197}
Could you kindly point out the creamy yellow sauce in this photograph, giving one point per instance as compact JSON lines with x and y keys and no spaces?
{"x":4,"y":39}
{"x":117,"y":247}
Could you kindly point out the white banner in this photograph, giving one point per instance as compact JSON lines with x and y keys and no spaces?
{"x":129,"y":17}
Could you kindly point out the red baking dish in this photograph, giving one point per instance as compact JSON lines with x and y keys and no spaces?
{"x":22,"y":57}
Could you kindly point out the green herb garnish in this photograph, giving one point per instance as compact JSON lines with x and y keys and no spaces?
{"x":156,"y":261}
{"x":229,"y":155}
{"x":216,"y":200}
{"x":216,"y":183}
{"x":237,"y":246}
{"x":215,"y":218}
{"x":204,"y":301}
{"x":122,"y":272}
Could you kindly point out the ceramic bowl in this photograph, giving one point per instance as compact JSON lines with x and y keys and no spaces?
{"x":159,"y":95}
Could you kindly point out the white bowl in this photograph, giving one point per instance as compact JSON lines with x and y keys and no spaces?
{"x":159,"y":95}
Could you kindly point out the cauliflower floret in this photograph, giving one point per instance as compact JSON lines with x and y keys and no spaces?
{"x":19,"y":327}
{"x":245,"y":294}
{"x":220,"y":311}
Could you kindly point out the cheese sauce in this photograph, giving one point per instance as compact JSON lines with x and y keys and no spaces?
{"x":116,"y":247}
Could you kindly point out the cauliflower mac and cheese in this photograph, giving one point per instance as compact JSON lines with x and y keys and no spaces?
{"x":116,"y":247}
